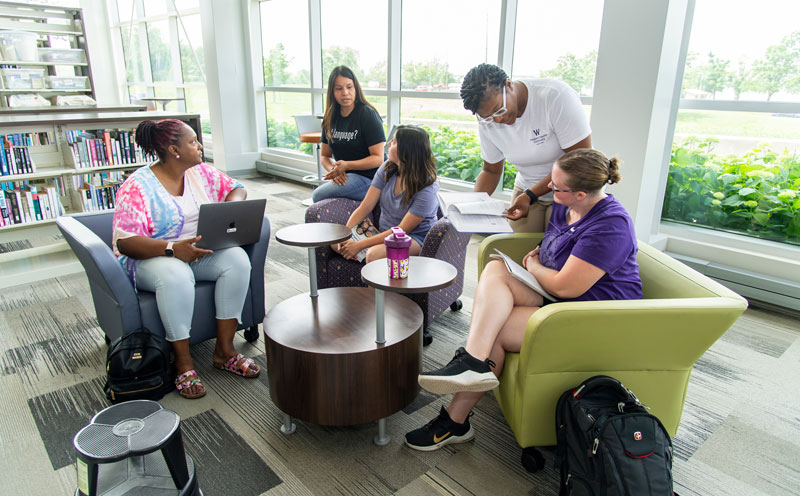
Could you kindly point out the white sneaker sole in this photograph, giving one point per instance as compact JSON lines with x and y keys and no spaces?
{"x":465,"y":381}
{"x":467,"y":436}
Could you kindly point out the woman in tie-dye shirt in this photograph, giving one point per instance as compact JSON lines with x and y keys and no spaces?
{"x":155,"y":228}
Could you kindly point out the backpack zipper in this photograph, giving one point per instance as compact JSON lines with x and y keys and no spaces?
{"x":134,"y":392}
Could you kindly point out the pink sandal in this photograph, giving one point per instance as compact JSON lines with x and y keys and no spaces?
{"x":240,"y":365}
{"x":184,"y":381}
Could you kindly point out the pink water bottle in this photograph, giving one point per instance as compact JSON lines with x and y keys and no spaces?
{"x":398,"y":245}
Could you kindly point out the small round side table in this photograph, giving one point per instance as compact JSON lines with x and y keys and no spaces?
{"x":425,"y":274}
{"x":312,"y":235}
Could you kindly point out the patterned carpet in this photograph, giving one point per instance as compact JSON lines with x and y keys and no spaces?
{"x":740,"y":432}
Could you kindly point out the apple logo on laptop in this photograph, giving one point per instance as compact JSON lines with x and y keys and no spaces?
{"x":231,"y":228}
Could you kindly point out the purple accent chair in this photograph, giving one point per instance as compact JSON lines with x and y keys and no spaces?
{"x":442,"y":242}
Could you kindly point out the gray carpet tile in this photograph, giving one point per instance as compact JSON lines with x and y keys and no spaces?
{"x":739,"y":434}
{"x":219,"y":453}
{"x":61,"y":414}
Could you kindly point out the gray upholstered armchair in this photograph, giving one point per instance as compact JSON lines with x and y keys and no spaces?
{"x":442,"y":242}
{"x":120,"y":309}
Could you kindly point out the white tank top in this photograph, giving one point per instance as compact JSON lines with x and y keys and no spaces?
{"x":191,"y":212}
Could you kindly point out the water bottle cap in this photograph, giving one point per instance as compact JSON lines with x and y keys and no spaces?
{"x":398,"y":239}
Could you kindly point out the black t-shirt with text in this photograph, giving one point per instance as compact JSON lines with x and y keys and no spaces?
{"x":352,"y":136}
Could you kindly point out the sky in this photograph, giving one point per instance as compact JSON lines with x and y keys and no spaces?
{"x":465,"y":32}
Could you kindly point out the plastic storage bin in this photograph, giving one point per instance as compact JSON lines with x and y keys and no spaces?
{"x":18,"y":45}
{"x":66,"y":82}
{"x":23,"y":79}
{"x":61,"y":55}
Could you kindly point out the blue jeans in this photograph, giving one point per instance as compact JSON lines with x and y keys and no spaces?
{"x":172,"y":280}
{"x":355,"y":188}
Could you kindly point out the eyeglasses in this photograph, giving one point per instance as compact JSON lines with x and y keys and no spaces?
{"x":501,"y":111}
{"x":553,"y":188}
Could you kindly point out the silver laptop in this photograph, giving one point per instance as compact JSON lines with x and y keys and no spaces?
{"x":227,"y":224}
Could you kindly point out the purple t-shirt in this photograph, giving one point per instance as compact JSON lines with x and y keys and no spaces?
{"x":424,"y":204}
{"x":604,"y":238}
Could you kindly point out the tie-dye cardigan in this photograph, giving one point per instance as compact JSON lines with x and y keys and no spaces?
{"x":145,"y":208}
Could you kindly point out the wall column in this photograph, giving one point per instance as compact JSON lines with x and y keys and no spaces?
{"x":231,"y":93}
{"x":636,"y":92}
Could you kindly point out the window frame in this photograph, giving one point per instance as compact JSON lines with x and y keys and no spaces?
{"x":140,"y":21}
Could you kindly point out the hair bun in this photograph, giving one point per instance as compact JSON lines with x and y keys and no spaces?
{"x":613,"y":170}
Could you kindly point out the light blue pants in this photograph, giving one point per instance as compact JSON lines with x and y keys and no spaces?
{"x":172,"y":280}
{"x":354,"y":188}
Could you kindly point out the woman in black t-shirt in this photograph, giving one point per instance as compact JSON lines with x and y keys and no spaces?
{"x":352,"y":139}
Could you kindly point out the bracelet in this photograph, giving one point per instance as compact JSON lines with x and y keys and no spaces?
{"x":531,"y":195}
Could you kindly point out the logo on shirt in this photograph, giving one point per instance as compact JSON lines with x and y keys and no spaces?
{"x":538,"y":138}
{"x":344,"y":135}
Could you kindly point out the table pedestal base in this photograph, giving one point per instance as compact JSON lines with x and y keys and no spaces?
{"x":325,"y":367}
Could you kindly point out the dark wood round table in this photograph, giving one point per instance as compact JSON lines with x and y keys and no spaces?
{"x":310,"y":236}
{"x":323,"y":362}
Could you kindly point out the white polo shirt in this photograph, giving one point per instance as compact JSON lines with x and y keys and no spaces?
{"x":553,"y":120}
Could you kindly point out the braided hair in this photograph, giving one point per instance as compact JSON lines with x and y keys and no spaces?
{"x":154,"y":138}
{"x":477,"y":83}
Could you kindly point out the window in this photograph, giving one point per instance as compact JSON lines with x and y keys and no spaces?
{"x":558,"y":40}
{"x":735,"y":163}
{"x":362,"y":49}
{"x":438,"y":43}
{"x":286,"y":64}
{"x":163,"y":55}
{"x":442,"y":40}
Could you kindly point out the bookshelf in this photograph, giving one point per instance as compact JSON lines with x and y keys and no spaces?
{"x":61,"y":63}
{"x":55,"y":167}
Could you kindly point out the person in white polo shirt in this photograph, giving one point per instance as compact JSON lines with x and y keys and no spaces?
{"x":529,"y":123}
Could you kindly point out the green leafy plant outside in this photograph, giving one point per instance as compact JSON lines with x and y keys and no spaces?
{"x":755,"y":194}
{"x":458,"y":155}
{"x":457,"y":152}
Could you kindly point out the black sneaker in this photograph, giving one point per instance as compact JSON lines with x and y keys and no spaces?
{"x":463,"y":373}
{"x":439,"y":432}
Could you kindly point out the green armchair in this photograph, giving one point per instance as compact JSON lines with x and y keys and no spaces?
{"x":650,"y":344}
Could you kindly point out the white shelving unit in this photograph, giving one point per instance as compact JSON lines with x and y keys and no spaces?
{"x":54,"y":163}
{"x":56,"y":27}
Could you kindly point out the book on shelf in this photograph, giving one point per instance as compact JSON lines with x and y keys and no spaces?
{"x":22,"y":202}
{"x":15,"y":156}
{"x":96,"y":197}
{"x":521,"y":274}
{"x":474,"y":212}
{"x":13,"y":201}
{"x":104,"y":147}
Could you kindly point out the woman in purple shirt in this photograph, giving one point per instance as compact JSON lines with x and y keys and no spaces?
{"x":588,"y":253}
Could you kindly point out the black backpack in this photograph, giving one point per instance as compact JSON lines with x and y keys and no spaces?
{"x":138,"y":368}
{"x":609,"y":445}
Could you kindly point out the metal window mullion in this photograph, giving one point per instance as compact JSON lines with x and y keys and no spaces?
{"x":118,"y":52}
{"x":177,"y":66}
{"x":394,"y":63}
{"x":669,"y":135}
{"x":144,"y":44}
{"x":740,"y":106}
{"x":315,"y":47}
{"x":508,"y":26}
{"x":257,"y":68}
{"x":159,"y":17}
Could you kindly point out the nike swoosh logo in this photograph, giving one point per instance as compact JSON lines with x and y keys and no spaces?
{"x":436,"y":438}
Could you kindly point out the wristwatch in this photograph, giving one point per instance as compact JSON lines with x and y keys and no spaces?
{"x":532,"y":196}
{"x":168,"y":250}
